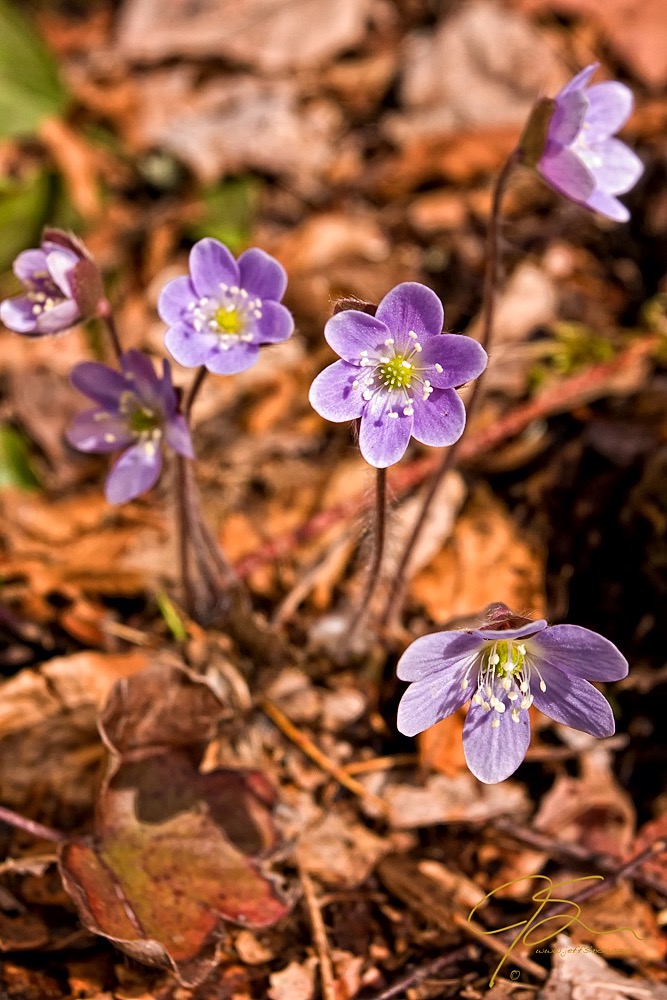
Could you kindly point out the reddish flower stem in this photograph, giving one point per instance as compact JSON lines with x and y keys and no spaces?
{"x":378,"y":552}
{"x":105,"y":313}
{"x":30,"y":826}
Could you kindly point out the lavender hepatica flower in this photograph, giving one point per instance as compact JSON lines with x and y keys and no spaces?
{"x":225,"y":310}
{"x":398,"y":374}
{"x":62,"y":286}
{"x":578,"y":155}
{"x":136,"y":410}
{"x":504,"y":667}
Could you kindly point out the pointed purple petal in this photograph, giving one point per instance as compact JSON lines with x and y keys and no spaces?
{"x":166,"y":392}
{"x":99,"y":382}
{"x":440,"y":419}
{"x":566,"y":173}
{"x":430,"y":654}
{"x":30,"y":267}
{"x":262,"y":275}
{"x":332,"y":394}
{"x":411,"y":306}
{"x":512,"y":633}
{"x":607,"y":205}
{"x":619,"y":169}
{"x":568,"y":117}
{"x":142,"y":378}
{"x":276,"y":323}
{"x":461,"y":358}
{"x":573,"y":701}
{"x":60,"y":317}
{"x":610,"y":105}
{"x":579,"y":651}
{"x":175,"y":297}
{"x":61,"y":265}
{"x":133,"y":473}
{"x":351,"y":331}
{"x":210,"y":264}
{"x":579,"y":81}
{"x":188,"y":346}
{"x":235,"y":359}
{"x":427,"y":702}
{"x":177,"y":436}
{"x":97,"y":431}
{"x":383,"y":439}
{"x":494,"y":754}
{"x":17,"y":315}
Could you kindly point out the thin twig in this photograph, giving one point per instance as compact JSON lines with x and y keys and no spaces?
{"x":498,"y":946}
{"x":30,"y":826}
{"x":432,"y":968}
{"x":307,"y":746}
{"x":399,"y":585}
{"x":319,"y":935}
{"x":378,"y":552}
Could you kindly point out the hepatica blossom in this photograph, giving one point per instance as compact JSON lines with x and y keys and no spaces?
{"x":506,"y":666}
{"x":136,"y":410}
{"x":580,"y":158}
{"x":225,"y":310}
{"x":398,"y":374}
{"x":62,"y":286}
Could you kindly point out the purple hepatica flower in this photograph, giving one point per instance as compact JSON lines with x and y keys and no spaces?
{"x":505,"y":666}
{"x":62,"y":287}
{"x":225,"y":310}
{"x":398,"y":373}
{"x":580,"y":157}
{"x":136,"y":410}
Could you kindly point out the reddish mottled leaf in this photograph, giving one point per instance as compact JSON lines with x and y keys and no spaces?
{"x":176,"y":852}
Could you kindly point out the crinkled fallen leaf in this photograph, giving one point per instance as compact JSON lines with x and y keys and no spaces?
{"x":582,"y":975}
{"x":176,"y":852}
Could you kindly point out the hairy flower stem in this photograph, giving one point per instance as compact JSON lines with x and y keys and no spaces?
{"x":378,"y":551}
{"x":29,"y":826}
{"x":105,"y":313}
{"x":396,"y":596}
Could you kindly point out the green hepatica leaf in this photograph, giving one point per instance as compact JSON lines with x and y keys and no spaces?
{"x":23,"y":209}
{"x":176,"y":852}
{"x":228,"y":212}
{"x":30,"y":88}
{"x":15,"y":468}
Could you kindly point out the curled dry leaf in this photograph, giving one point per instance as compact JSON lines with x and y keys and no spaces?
{"x":176,"y":852}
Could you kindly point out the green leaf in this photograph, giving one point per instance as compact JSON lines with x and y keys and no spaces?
{"x":23,"y":210}
{"x":15,"y":469}
{"x":228,"y":212}
{"x":30,"y":87}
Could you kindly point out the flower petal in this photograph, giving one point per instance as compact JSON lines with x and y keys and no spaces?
{"x":580,"y":651}
{"x":175,"y":297}
{"x":411,"y":306}
{"x":17,"y":314}
{"x":188,"y":346}
{"x":568,"y":117}
{"x":511,"y":633}
{"x":210,"y":264}
{"x":461,"y":359}
{"x":333,"y":395}
{"x":351,"y":331}
{"x":61,"y":265}
{"x":610,"y":105}
{"x":440,"y":419}
{"x":607,"y":205}
{"x":30,"y":267}
{"x":177,"y":436}
{"x":99,"y":382}
{"x":142,"y":377}
{"x":579,"y":81}
{"x":97,"y":431}
{"x":574,"y":702}
{"x":439,"y":651}
{"x":234,"y":359}
{"x":566,"y":173}
{"x":276,"y":323}
{"x":619,"y":168}
{"x":133,"y":473}
{"x":428,"y":701}
{"x":60,"y":317}
{"x":494,"y":754}
{"x":262,"y":275}
{"x":382,"y":438}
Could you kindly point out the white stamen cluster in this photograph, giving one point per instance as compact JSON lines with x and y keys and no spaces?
{"x":503,"y":680}
{"x":231,"y":315}
{"x":41,"y":302}
{"x":397,"y":374}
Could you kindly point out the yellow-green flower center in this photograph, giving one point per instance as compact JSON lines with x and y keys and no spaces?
{"x":143,"y":421}
{"x":229,"y":321}
{"x":396,"y":373}
{"x":507,"y":657}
